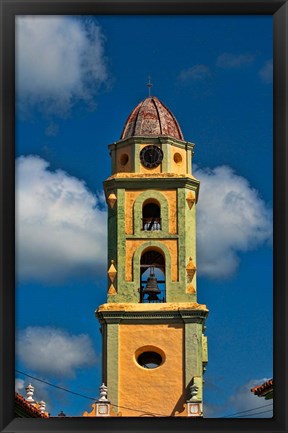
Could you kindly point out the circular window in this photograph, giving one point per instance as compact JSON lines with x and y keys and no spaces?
{"x":177,"y":158}
{"x":149,"y":360}
{"x":124,"y":158}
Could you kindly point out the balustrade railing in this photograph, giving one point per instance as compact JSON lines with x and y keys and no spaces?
{"x":151,"y":224}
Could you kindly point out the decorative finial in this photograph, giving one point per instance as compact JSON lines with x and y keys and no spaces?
{"x":42,"y":407}
{"x":149,"y":85}
{"x":102,"y":404}
{"x":30,"y":392}
{"x":103,"y":394}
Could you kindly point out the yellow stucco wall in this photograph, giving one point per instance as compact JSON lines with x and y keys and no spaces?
{"x":148,"y":390}
{"x":178,"y":160}
{"x":120,"y":156}
{"x":131,"y":196}
{"x":132,"y":245}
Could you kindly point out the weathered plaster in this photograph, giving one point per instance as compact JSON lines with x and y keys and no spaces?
{"x":129,"y":166}
{"x":134,"y":203}
{"x":112,"y":362}
{"x":180,"y":166}
{"x":150,"y":385}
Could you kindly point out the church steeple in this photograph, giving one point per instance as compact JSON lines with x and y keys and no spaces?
{"x":152,"y":325}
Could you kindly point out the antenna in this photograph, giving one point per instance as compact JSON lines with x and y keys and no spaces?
{"x":149,"y":85}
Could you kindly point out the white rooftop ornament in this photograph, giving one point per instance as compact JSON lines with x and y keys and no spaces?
{"x":103,"y":394}
{"x":30,"y":392}
{"x":42,"y":407}
{"x":103,"y":404}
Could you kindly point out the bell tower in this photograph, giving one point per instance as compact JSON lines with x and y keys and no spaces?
{"x":154,"y":348}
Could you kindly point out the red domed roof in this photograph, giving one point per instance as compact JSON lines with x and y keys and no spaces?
{"x":151,"y":117}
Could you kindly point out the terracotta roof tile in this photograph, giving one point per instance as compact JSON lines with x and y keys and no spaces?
{"x":151,"y":117}
{"x":31,"y":410}
{"x":264,"y":388}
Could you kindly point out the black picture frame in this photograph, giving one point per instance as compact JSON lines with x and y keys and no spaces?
{"x":11,"y":8}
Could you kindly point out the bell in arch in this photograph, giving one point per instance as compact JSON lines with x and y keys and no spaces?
{"x":151,"y":290}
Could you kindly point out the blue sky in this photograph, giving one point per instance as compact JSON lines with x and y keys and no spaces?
{"x":77,"y":80}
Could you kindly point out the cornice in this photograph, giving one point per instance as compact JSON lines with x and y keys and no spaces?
{"x":116,"y":313}
{"x":162,"y":139}
{"x":163,"y":181}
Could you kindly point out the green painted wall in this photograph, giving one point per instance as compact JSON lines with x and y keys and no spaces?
{"x":193,"y":353}
{"x":110,"y":359}
{"x":186,"y":239}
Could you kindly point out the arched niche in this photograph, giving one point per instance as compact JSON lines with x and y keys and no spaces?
{"x":145,"y":198}
{"x":151,"y":215}
{"x":154,"y":246}
{"x":152,"y":276}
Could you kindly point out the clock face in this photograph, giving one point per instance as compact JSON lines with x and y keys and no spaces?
{"x":151,"y":156}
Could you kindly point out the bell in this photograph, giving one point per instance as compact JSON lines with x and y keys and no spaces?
{"x":152,"y":289}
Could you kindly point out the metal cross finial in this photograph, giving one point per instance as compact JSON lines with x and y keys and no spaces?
{"x":149,"y":85}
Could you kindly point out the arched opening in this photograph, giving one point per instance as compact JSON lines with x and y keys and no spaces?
{"x":152,"y":277}
{"x":151,"y":218}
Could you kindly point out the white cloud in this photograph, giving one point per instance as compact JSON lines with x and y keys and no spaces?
{"x":231,"y":218}
{"x":60,"y":227}
{"x":233,"y":61}
{"x":53,"y":351}
{"x":54,"y":398}
{"x":266,"y":73}
{"x":197,"y":72}
{"x":244,"y":400}
{"x":19,"y":385}
{"x":243,"y":403}
{"x":59,"y":60}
